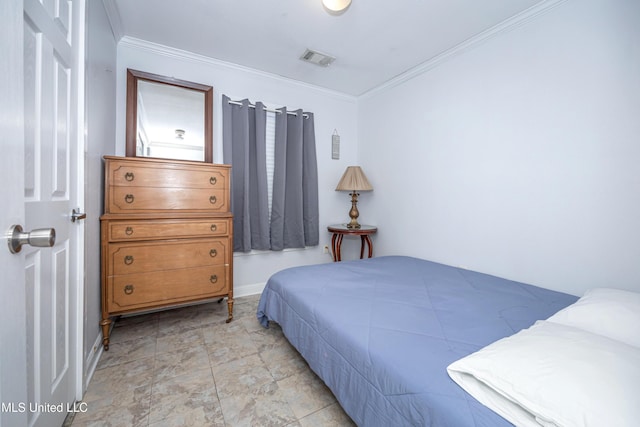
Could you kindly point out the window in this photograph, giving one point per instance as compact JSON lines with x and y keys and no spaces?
{"x":274,"y":177}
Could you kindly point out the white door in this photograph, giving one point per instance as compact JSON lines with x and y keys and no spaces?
{"x":49,"y":172}
{"x":13,"y":387}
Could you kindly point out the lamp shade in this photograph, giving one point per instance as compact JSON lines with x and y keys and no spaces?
{"x":354,"y":179}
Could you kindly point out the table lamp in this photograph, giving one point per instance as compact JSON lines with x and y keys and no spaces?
{"x":354,"y":180}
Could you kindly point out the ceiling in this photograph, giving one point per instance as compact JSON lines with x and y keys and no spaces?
{"x":373,"y":41}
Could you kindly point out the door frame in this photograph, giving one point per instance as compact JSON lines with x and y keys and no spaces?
{"x":79,"y":42}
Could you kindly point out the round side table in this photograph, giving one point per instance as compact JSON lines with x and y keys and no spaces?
{"x":340,"y":230}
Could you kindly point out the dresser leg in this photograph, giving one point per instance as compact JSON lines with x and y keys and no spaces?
{"x":230,"y":306}
{"x":106,"y":328}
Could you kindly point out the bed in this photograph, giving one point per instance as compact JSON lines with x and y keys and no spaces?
{"x":381,"y":333}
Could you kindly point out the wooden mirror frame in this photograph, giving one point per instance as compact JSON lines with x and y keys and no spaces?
{"x":133,"y":77}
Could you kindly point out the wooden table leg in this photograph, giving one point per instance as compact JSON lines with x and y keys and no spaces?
{"x":333,"y":246}
{"x":336,"y":242}
{"x":338,"y":247}
{"x":368,"y":240}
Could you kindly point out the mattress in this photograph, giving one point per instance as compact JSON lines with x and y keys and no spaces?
{"x":381,"y":332}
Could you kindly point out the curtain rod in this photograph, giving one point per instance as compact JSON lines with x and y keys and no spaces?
{"x":306,"y":116}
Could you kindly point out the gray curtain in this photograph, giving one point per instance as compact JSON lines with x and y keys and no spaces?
{"x":294,"y":208}
{"x":294,"y":212}
{"x":243,"y":142}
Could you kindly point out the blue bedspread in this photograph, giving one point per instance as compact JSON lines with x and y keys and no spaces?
{"x":380,"y":332}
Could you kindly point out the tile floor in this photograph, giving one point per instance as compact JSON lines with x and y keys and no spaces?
{"x":187,"y":367}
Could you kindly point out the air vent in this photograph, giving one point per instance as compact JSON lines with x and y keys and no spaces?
{"x":317,"y":58}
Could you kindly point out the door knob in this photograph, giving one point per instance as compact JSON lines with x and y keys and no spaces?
{"x":41,"y":238}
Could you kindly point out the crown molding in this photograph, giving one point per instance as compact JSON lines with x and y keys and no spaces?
{"x":507,"y":25}
{"x":114,"y":18}
{"x":183,"y":55}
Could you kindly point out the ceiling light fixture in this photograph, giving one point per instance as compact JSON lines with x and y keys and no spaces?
{"x":336,"y":7}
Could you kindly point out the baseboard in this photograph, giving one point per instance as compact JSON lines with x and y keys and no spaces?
{"x":92,"y":360}
{"x":246,"y":290}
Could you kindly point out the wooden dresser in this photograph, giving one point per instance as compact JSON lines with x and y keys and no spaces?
{"x":166,"y":236}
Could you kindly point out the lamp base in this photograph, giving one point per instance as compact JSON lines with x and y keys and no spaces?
{"x":353,"y":212}
{"x":353,"y":225}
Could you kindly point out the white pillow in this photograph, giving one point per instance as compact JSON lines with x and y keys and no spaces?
{"x":555,"y":375}
{"x":613,"y":313}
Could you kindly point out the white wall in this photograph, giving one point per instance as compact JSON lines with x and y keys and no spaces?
{"x":332,"y":111}
{"x":100,"y":135}
{"x":519,"y":157}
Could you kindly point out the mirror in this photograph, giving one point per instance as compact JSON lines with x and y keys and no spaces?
{"x":168,"y":118}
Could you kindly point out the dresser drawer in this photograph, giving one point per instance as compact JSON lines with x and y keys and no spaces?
{"x":130,"y":258}
{"x":166,"y":229}
{"x":148,"y":290}
{"x":124,"y":173}
{"x":143,"y":200}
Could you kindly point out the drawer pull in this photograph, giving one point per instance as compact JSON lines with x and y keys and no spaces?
{"x":213,"y":200}
{"x":129,"y":176}
{"x":213,"y":180}
{"x":213,"y":253}
{"x":129,"y":198}
{"x":213,"y":278}
{"x":214,"y":227}
{"x":128,"y":260}
{"x":128,"y":289}
{"x":128,"y":231}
